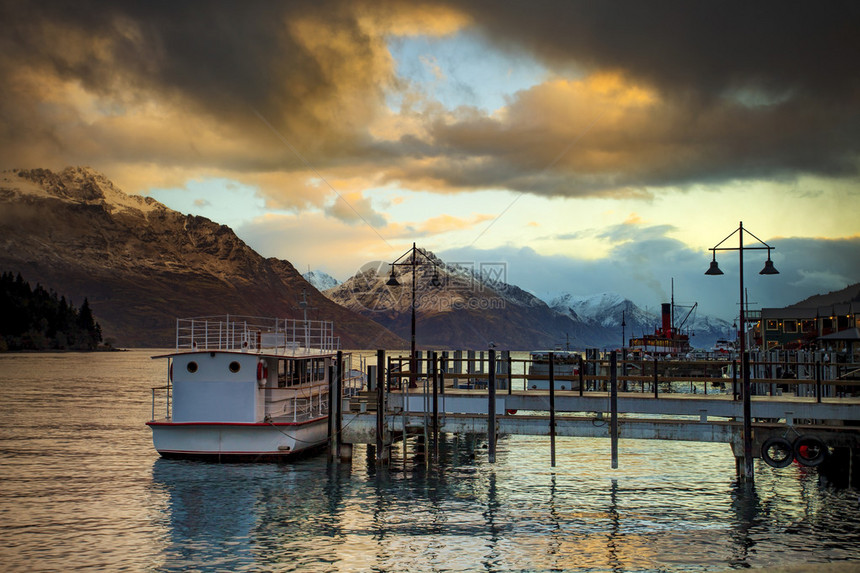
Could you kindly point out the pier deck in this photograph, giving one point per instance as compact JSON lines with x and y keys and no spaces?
{"x":689,"y":417}
{"x":810,"y":419}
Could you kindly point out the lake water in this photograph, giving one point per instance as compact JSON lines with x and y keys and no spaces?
{"x":82,"y":488}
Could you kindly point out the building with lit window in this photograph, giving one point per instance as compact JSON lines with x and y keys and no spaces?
{"x":831,"y":327}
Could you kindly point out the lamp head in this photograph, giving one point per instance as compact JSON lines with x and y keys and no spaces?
{"x":714,"y":269}
{"x":392,"y":280}
{"x":768,"y":269}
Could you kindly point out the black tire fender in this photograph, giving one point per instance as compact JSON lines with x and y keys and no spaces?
{"x":809,"y":451}
{"x":781,"y":446}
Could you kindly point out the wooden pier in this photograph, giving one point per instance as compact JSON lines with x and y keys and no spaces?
{"x":810,"y":420}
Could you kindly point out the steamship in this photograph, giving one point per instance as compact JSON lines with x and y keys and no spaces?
{"x":666,"y":341}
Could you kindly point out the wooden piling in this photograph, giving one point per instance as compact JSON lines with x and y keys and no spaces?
{"x":552,"y":408}
{"x":735,"y":380}
{"x":491,"y":408}
{"x":581,"y":376}
{"x":442,"y":371}
{"x":381,"y":450}
{"x":817,"y":381}
{"x":434,"y":376}
{"x":510,"y":372}
{"x":330,"y":431}
{"x":613,"y":407}
{"x":338,"y":406}
{"x":656,"y":379}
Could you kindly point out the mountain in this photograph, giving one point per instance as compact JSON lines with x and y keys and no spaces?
{"x":321,"y":280}
{"x":848,"y":294}
{"x":141,"y":264}
{"x":603,"y":314}
{"x":457,"y":308}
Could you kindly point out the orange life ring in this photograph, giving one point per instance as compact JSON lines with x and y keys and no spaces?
{"x":262,"y":371}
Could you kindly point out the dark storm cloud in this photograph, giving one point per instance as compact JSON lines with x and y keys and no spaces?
{"x":703,"y":92}
{"x":692,"y":48}
{"x":218,"y":63}
{"x":218,"y":54}
{"x":743,"y":90}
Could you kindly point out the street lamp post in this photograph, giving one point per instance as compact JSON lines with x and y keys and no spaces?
{"x":623,"y":332}
{"x":748,"y":474}
{"x":410,"y":258}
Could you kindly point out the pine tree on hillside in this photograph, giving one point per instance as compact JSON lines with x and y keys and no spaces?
{"x":38,"y":319}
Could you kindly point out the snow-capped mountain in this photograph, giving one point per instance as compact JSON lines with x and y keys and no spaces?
{"x":457,"y":307}
{"x":605,"y":310}
{"x":320,"y":280}
{"x":139,"y":263}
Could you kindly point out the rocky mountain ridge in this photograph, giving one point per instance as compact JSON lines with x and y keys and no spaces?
{"x":457,"y":307}
{"x":604,"y":310}
{"x":141,"y":264}
{"x":848,"y":294}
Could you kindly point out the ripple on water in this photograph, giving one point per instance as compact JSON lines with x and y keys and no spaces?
{"x":80,"y":487}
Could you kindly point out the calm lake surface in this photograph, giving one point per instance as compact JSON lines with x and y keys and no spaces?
{"x":82,"y":488}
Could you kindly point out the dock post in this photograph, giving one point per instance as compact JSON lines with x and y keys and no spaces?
{"x":443,"y":369}
{"x":749,"y":472}
{"x":470,"y":368}
{"x":434,"y":376}
{"x":552,"y":409}
{"x":817,"y":381}
{"x":734,"y":380}
{"x":613,"y":407}
{"x":581,"y":376}
{"x":656,"y":378}
{"x":338,"y":409}
{"x":510,"y":371}
{"x":491,"y":408}
{"x":440,"y":377}
{"x":381,"y":450}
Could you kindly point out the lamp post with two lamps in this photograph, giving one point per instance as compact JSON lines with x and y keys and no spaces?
{"x":410,"y":259}
{"x":747,"y":474}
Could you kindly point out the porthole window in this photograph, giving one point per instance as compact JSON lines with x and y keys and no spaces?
{"x":192,"y":367}
{"x":235,"y":366}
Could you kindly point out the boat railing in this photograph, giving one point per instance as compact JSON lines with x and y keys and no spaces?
{"x":310,"y":406}
{"x":168,"y":395}
{"x":255,"y":334}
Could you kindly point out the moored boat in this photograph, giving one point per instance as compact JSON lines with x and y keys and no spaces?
{"x":565,"y":366}
{"x":666,"y":342}
{"x":248,"y":389}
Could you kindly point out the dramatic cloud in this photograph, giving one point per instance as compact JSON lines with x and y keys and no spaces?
{"x":645,"y":96}
{"x":689,"y":114}
{"x":220,"y":87}
{"x":643,"y":270}
{"x":700,"y":49}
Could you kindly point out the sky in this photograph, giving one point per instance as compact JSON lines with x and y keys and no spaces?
{"x":587,"y":147}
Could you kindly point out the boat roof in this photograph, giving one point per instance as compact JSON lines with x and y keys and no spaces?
{"x":260,"y":336}
{"x":297,"y":354}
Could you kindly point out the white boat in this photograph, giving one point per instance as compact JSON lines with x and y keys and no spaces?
{"x":565,"y":364}
{"x":248,"y":389}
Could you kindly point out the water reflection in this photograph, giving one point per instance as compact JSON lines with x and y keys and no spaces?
{"x":745,"y":506}
{"x":71,"y":495}
{"x":465,"y":514}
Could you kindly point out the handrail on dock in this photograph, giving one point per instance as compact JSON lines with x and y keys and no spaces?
{"x":799,"y":375}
